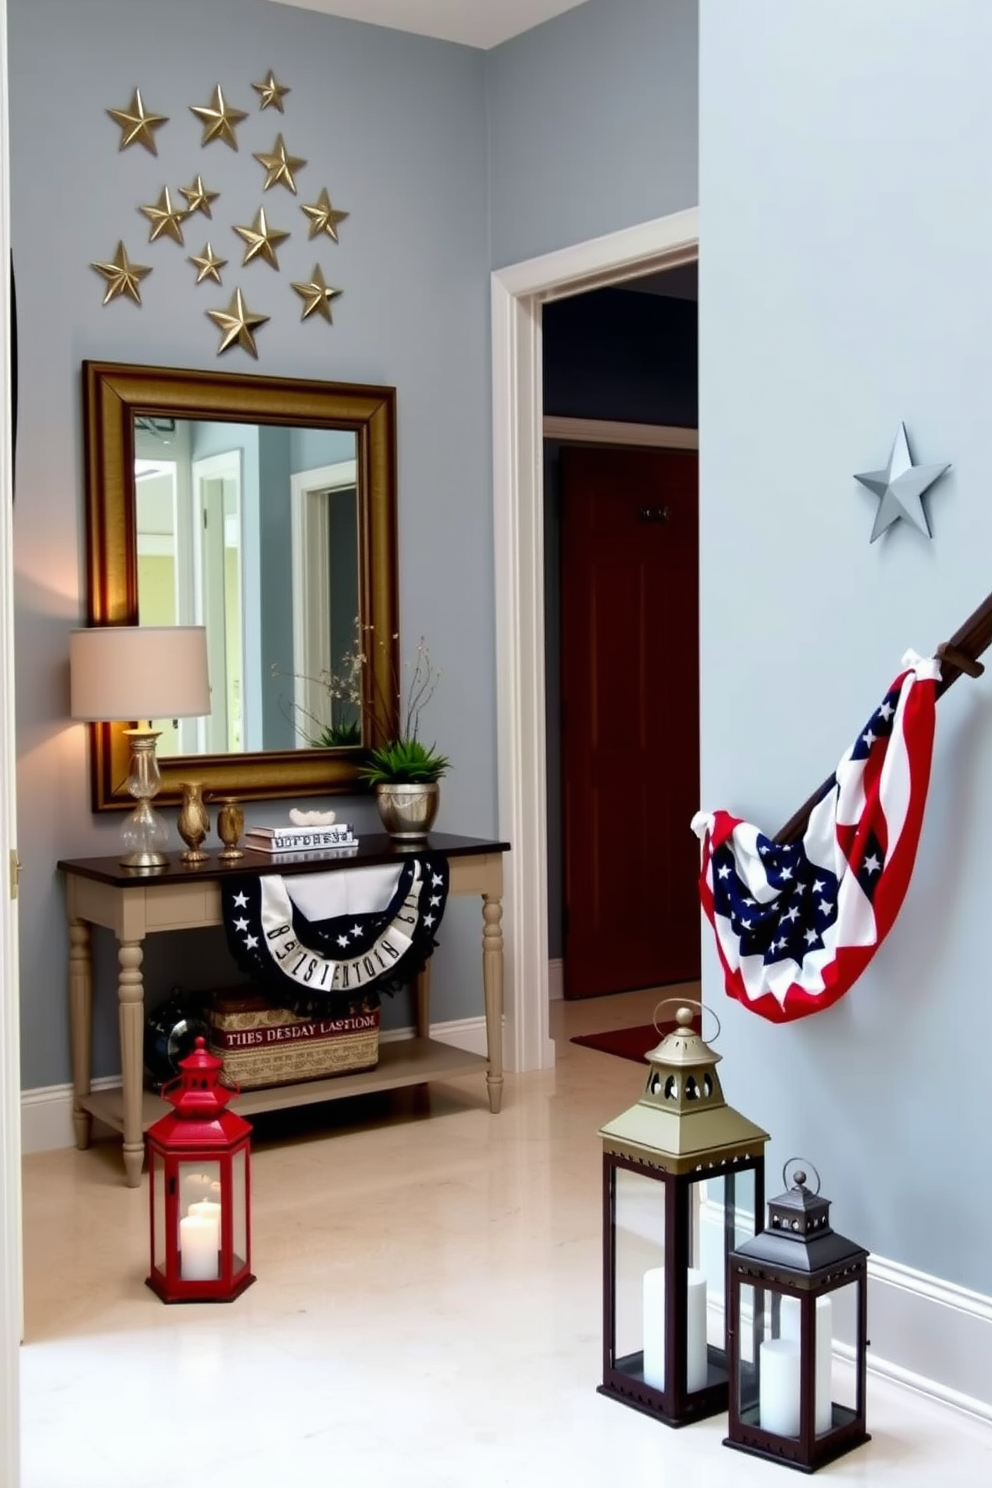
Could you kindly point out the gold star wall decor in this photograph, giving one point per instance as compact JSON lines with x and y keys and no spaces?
{"x":207,"y":264}
{"x":238,"y":324}
{"x":271,"y":93}
{"x":317,"y":295}
{"x":261,"y":239}
{"x":164,"y":217}
{"x":198,"y":198}
{"x":122,"y":276}
{"x":279,"y":166}
{"x":137,"y":124}
{"x":323,"y":217}
{"x":219,"y":119}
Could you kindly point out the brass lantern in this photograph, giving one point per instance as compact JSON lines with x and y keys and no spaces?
{"x":793,"y":1288}
{"x":683,"y":1183}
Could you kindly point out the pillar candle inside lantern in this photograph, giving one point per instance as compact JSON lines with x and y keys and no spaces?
{"x":198,"y":1248}
{"x":789,"y":1328}
{"x":654,"y":1329}
{"x":208,"y":1209}
{"x":778,"y":1390}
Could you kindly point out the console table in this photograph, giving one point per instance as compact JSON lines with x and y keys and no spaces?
{"x":135,"y":903}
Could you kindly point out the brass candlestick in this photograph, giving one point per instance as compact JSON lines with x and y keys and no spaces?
{"x":230,"y":825}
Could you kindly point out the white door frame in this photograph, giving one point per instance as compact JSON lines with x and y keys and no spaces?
{"x":11,"y":1293}
{"x":310,"y":528}
{"x":518,"y":292}
{"x":204,"y":575}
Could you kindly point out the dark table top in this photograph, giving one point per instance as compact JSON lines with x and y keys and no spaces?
{"x":373,"y":849}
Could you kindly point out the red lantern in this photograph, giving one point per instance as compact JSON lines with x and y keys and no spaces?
{"x":198,"y":1159}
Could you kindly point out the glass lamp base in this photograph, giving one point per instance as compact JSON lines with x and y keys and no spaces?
{"x":144,"y":837}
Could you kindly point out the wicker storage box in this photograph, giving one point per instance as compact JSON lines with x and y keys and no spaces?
{"x":262,"y":1044}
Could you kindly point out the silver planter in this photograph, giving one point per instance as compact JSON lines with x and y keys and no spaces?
{"x":408,"y":811}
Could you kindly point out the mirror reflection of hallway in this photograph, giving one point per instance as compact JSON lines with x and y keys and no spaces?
{"x":252,"y":532}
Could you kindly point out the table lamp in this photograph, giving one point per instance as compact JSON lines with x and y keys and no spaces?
{"x":125,"y":672}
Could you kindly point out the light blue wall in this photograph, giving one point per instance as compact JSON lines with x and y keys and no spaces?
{"x":592,"y":124}
{"x":844,"y":286}
{"x":395,"y":126}
{"x":312,"y":448}
{"x":276,"y":538}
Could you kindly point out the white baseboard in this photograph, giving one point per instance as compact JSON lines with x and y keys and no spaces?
{"x":463,"y":1033}
{"x":46,"y":1115}
{"x":46,"y":1111}
{"x":930,"y":1335}
{"x":556,"y":981}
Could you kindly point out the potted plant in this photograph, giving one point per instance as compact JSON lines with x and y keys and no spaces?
{"x":404,"y":772}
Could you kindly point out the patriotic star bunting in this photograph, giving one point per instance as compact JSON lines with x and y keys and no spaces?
{"x":797,"y":923}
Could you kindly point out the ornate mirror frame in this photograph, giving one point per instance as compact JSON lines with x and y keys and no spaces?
{"x":114,"y":394}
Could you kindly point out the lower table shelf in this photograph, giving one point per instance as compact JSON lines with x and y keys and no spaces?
{"x":406,"y":1062}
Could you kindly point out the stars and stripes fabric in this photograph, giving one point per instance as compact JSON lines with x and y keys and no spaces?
{"x":319,"y":942}
{"x":797,"y":923}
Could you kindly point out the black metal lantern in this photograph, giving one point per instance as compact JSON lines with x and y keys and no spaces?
{"x":683,"y":1183}
{"x":792,"y":1290}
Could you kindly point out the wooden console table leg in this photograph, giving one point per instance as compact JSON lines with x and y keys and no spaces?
{"x":492,"y":980}
{"x":130,"y":991}
{"x":422,"y":1002}
{"x":81,"y":1025}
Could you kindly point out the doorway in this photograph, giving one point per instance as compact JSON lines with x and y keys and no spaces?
{"x":629,"y":717}
{"x":518,"y":293}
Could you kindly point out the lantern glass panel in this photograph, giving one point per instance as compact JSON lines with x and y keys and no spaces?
{"x":199,"y":1220}
{"x":239,"y":1210}
{"x":639,"y":1313}
{"x":770,"y":1347}
{"x":198,"y":1181}
{"x":754,"y":1325}
{"x":156,"y":1178}
{"x":769,"y":1360}
{"x":838,"y":1314}
{"x":721,"y":1215}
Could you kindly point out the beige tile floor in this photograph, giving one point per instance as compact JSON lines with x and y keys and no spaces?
{"x":427,"y":1311}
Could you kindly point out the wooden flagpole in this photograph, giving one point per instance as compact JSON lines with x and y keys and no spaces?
{"x":957,"y":656}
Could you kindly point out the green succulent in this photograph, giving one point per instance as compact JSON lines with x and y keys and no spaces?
{"x":404,"y":762}
{"x":337,"y":736}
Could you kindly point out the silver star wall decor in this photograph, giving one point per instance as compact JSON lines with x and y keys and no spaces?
{"x":900,"y":488}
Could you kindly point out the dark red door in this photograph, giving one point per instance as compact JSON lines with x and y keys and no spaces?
{"x":630,"y":717}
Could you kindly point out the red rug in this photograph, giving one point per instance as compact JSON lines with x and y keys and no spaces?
{"x":628,"y":1043}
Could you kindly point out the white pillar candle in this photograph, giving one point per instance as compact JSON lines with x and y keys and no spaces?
{"x":198,"y":1258}
{"x":789,"y":1328}
{"x":778,"y":1389}
{"x":207,"y":1209}
{"x":654,"y":1329}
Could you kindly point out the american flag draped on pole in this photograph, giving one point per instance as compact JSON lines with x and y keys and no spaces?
{"x":797,"y":923}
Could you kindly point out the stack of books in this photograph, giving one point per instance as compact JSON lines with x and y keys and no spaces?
{"x":308,"y":840}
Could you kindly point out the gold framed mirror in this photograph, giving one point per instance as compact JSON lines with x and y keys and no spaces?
{"x":264,"y":508}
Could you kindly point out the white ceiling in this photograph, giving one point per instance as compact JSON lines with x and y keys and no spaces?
{"x":478,"y":23}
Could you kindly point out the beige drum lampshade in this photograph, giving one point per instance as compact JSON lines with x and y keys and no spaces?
{"x":124,"y":672}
